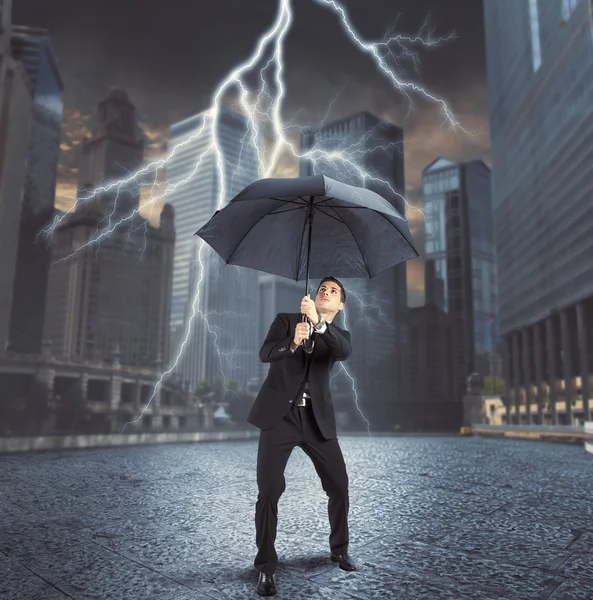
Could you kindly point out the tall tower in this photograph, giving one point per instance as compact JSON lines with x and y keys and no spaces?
{"x":458,"y":240}
{"x":377,"y":317}
{"x":115,"y":292}
{"x":113,"y":152}
{"x":539,"y":60}
{"x":15,"y":124}
{"x":33,"y":48}
{"x":227,"y":345}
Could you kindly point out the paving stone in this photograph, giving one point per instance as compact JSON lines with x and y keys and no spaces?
{"x":536,"y":545}
{"x":18,"y":583}
{"x":110,"y":580}
{"x":583,"y":542}
{"x":62,"y":564}
{"x":466,"y":569}
{"x":20,"y":538}
{"x":574,"y":589}
{"x":430,"y":517}
{"x":578,"y":566}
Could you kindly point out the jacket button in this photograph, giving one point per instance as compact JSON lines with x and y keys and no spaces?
{"x":299,"y":382}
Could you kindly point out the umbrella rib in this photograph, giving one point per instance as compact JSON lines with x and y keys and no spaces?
{"x":348,"y":207}
{"x":289,"y":201}
{"x":228,"y":262}
{"x":385,"y":217}
{"x":359,"y":248}
{"x":328,"y":215}
{"x":280,"y":211}
{"x":352,"y":234}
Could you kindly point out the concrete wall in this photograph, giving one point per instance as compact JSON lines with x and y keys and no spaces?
{"x":70,"y":442}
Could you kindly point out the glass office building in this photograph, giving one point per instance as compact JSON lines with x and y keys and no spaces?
{"x":458,"y":239}
{"x":34,"y":49}
{"x":376,"y":309}
{"x":540,"y":84}
{"x":227,"y":345}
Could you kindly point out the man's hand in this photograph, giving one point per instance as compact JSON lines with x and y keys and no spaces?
{"x":301,"y":333}
{"x":309,"y":310}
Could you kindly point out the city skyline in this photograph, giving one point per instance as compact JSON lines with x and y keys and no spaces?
{"x":539,"y":151}
{"x":166,"y":87}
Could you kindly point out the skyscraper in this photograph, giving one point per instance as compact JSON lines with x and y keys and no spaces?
{"x":15,"y":123}
{"x":375,"y":313}
{"x":33,"y":47}
{"x":540,"y":85}
{"x":227,"y":346}
{"x":458,"y":238}
{"x":113,"y":294}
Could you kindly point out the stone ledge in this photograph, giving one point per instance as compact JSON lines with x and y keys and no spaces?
{"x":549,"y":433}
{"x":71,"y":442}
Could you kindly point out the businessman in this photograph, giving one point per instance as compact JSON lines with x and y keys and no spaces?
{"x":294,"y":408}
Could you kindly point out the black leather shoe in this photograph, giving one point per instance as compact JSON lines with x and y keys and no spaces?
{"x":344,"y":561}
{"x":266,"y":585}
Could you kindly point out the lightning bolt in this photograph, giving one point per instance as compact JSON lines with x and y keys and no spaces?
{"x":374,"y":304}
{"x":264,"y":124}
{"x":343,"y":369}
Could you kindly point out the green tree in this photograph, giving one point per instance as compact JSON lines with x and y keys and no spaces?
{"x":202,"y":389}
{"x":218,"y":389}
{"x":232,"y":385}
{"x":239,"y":406}
{"x":493,"y":386}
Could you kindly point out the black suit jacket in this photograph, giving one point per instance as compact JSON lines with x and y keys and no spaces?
{"x":285,"y":380}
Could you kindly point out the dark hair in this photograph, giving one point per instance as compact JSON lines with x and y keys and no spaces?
{"x":335,"y":281}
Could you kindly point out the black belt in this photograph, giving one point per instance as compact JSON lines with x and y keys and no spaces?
{"x":304,"y":400}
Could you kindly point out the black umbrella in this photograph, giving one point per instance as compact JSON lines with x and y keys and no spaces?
{"x":269,"y":227}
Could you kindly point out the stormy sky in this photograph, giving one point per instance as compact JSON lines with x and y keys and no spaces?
{"x":170,"y":56}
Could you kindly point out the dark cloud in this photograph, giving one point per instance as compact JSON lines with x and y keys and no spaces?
{"x":171,"y":55}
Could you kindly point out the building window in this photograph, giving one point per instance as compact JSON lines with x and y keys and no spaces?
{"x":536,"y":52}
{"x":568,"y":7}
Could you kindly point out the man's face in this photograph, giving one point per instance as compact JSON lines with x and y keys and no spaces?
{"x":329,"y":298}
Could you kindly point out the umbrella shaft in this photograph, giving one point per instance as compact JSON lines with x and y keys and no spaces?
{"x":310,"y":219}
{"x":309,"y":347}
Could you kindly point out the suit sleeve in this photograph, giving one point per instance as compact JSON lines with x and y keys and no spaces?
{"x":338,"y":342}
{"x":276,"y":346}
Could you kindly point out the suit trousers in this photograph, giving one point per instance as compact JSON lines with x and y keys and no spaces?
{"x":297,"y":428}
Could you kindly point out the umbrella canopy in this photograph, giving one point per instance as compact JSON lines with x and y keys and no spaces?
{"x":308,"y":227}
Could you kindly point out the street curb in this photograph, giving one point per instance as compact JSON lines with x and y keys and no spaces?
{"x":569,"y":437}
{"x":73,"y":442}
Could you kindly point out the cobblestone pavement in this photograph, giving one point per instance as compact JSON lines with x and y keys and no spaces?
{"x":431,"y":517}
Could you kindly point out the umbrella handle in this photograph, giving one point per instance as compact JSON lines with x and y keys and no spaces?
{"x":309,"y":344}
